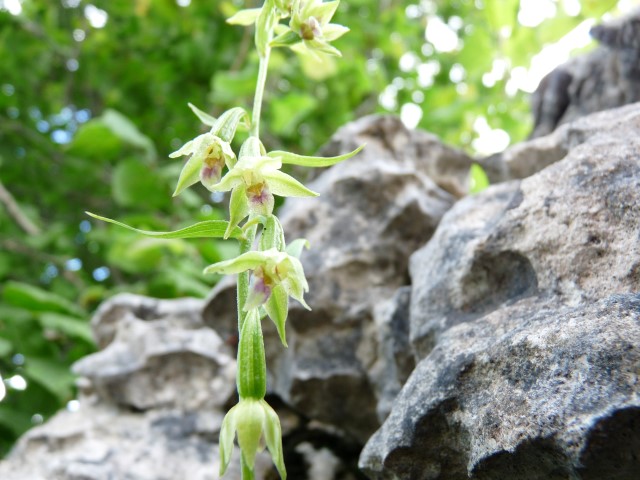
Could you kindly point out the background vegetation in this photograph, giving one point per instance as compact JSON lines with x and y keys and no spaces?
{"x":93,"y":96}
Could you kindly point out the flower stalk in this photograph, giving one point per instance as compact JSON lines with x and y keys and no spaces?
{"x":269,"y":270}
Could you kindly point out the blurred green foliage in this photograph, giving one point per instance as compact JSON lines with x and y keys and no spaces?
{"x":89,"y":112}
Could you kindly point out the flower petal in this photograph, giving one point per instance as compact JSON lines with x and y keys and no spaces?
{"x":295,"y":248}
{"x":242,"y":263}
{"x":333,"y":31}
{"x":204,"y":117}
{"x":186,"y":149}
{"x":286,"y":186}
{"x":227,"y":434}
{"x":245,"y":17}
{"x":277,"y":308}
{"x":238,"y":208}
{"x":273,"y":438}
{"x":232,"y":179}
{"x":189,"y":174}
{"x":259,"y":293}
{"x":249,"y":428}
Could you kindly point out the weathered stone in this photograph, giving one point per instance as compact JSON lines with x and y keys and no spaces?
{"x":448,"y":167}
{"x":373,"y":212}
{"x":531,"y":391}
{"x":529,"y":157}
{"x":152,"y":361}
{"x":526,"y":321}
{"x":605,"y":78}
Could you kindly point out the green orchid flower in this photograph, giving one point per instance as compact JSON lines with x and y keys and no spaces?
{"x":209,"y":155}
{"x":276,"y":276}
{"x":310,"y":29}
{"x":253,"y":182}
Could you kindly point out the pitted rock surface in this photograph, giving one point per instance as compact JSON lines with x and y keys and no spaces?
{"x":525,"y":320}
{"x":535,"y":390}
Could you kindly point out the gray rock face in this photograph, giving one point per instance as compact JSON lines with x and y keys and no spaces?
{"x":605,"y":78}
{"x":153,"y":352}
{"x":526,"y":321}
{"x":373,"y":212}
{"x":530,"y":391}
{"x":527,"y":158}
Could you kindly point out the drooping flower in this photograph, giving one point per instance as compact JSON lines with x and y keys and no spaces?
{"x":252,"y":420}
{"x":209,"y":155}
{"x":3,"y":390}
{"x":271,"y":269}
{"x":276,"y":276}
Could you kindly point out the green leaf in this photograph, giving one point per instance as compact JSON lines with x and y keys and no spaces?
{"x":277,"y":308}
{"x":206,"y":229}
{"x":15,"y":420}
{"x":288,"y":111}
{"x":127,"y":131}
{"x":204,"y":117}
{"x":70,"y":326}
{"x":6,"y":347}
{"x":135,"y":183}
{"x":245,"y":17}
{"x":286,"y":186}
{"x":56,"y":378}
{"x":252,"y":374}
{"x":479,"y":180}
{"x":37,"y":300}
{"x":304,"y":161}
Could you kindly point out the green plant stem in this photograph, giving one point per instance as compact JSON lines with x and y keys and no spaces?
{"x":257,"y":100}
{"x":247,"y":473}
{"x":243,"y":278}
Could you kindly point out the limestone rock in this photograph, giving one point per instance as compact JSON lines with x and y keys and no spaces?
{"x":373,"y":212}
{"x":605,"y":78}
{"x":569,"y":232}
{"x":152,"y":361}
{"x":530,"y":391}
{"x":527,"y":158}
{"x":525,"y":320}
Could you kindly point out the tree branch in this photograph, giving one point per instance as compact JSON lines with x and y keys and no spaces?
{"x":14,"y":211}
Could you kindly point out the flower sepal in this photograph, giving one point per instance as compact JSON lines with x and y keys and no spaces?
{"x":252,"y":420}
